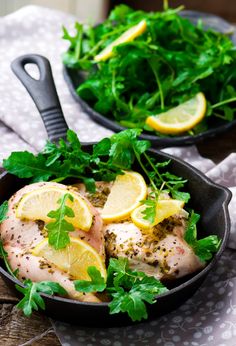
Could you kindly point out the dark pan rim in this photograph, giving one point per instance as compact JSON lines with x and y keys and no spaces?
{"x":157,"y":141}
{"x":201,"y":274}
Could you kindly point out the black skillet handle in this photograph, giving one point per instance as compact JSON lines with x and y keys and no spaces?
{"x":43,"y":93}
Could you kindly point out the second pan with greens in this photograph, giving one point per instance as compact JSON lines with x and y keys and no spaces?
{"x":163,"y":63}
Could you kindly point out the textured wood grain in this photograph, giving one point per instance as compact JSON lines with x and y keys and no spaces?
{"x":16,"y":329}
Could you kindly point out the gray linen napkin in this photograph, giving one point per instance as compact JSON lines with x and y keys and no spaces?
{"x":209,"y":318}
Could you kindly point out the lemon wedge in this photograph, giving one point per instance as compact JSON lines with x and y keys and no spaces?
{"x":164,"y":209}
{"x":126,"y":193}
{"x":36,"y":204}
{"x":128,"y":36}
{"x":74,"y":259}
{"x":181,"y":118}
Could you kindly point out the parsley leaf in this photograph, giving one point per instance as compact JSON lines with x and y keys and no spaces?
{"x":32,"y":299}
{"x":205,"y":247}
{"x":58,"y":230}
{"x":97,"y":283}
{"x":129,"y":290}
{"x":149,"y":213}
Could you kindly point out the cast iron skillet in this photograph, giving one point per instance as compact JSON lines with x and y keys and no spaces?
{"x":217,"y":126}
{"x":208,"y":199}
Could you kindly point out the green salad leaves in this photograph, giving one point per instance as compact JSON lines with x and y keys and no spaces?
{"x":128,"y":289}
{"x":166,"y":65}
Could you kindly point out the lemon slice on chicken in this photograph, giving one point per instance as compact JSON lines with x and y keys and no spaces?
{"x":181,"y":118}
{"x":126,"y":193}
{"x":74,"y":259}
{"x":164,"y":209}
{"x":36,"y":205}
{"x":128,"y":36}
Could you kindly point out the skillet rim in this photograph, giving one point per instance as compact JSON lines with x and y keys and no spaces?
{"x":203,"y":273}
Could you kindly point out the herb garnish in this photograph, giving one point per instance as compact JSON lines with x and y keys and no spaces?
{"x":205,"y":247}
{"x":3,"y":253}
{"x":32,"y":299}
{"x":108,"y":158}
{"x":129,"y":289}
{"x":169,"y":63}
{"x":59,"y":228}
{"x":3,"y":211}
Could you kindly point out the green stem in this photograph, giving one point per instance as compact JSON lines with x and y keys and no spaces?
{"x":158,"y":84}
{"x":156,"y":171}
{"x":145,"y":171}
{"x":165,"y":5}
{"x":4,"y":255}
{"x":233,"y":99}
{"x":78,"y":46}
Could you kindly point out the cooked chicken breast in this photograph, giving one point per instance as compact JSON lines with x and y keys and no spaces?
{"x":38,"y":269}
{"x":162,"y":253}
{"x":20,"y":236}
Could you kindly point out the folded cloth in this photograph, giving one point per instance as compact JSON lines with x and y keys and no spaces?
{"x":10,"y":141}
{"x":209,"y":318}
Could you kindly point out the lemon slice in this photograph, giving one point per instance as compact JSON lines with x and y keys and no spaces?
{"x":128,"y":36}
{"x":74,"y":259}
{"x":164,"y":209}
{"x":36,"y":204}
{"x":181,"y":118}
{"x":126,"y":193}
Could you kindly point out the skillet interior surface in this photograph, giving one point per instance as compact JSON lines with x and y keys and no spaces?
{"x":208,"y":199}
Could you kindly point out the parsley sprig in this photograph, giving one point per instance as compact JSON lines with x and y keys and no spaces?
{"x":205,"y":247}
{"x":129,"y":290}
{"x":32,"y":291}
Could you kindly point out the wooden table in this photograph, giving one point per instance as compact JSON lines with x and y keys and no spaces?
{"x":16,"y":330}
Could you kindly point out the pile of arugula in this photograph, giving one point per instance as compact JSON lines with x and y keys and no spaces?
{"x":169,"y":63}
{"x":128,"y":290}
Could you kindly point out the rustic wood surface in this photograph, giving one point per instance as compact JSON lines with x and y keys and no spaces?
{"x":17,"y":330}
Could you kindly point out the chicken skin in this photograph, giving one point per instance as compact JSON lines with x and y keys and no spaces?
{"x":160,"y":253}
{"x":19,"y":237}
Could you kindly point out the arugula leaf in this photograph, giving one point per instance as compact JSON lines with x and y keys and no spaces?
{"x":26,"y":165}
{"x":4,"y":256}
{"x":32,"y":299}
{"x":169,"y":76}
{"x":58,"y":230}
{"x":205,"y":247}
{"x":3,"y":211}
{"x":97,"y":283}
{"x":3,"y":253}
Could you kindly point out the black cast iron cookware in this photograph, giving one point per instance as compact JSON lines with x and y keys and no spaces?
{"x":74,"y":78}
{"x":208,"y":199}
